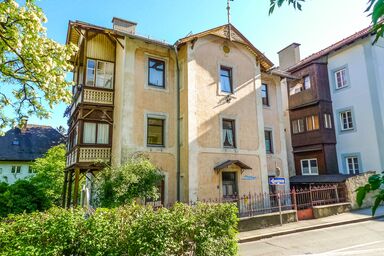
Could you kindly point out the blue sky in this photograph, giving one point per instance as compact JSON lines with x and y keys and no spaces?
{"x":320,"y":24}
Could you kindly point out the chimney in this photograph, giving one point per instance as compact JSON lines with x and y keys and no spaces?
{"x":124,"y":26}
{"x":289,"y":56}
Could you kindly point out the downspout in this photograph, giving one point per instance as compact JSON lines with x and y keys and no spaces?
{"x":178,"y":124}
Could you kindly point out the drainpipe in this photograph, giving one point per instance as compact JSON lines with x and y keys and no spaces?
{"x":178,"y":124}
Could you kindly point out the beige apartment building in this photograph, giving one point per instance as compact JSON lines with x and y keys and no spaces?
{"x":207,"y":110}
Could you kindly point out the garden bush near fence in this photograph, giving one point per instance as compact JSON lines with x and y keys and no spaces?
{"x":130,"y":230}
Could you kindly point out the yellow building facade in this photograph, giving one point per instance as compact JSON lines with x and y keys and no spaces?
{"x":206,"y":110}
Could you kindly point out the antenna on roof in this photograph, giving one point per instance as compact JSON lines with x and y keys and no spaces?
{"x":229,"y":18}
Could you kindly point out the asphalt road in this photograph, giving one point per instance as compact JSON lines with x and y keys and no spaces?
{"x":365,"y":238}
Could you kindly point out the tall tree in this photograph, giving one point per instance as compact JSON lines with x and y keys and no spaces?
{"x":375,"y":9}
{"x":32,"y":66}
{"x":49,"y":173}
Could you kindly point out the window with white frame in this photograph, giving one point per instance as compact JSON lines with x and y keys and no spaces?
{"x":298,"y":126}
{"x":341,"y":78}
{"x":309,"y":167}
{"x":352,"y":163}
{"x":95,"y":133}
{"x":346,"y":120}
{"x":99,"y":74}
{"x":327,"y":121}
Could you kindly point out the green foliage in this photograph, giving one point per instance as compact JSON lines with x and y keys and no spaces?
{"x":33,"y":65}
{"x":137,"y":178}
{"x":130,"y":230}
{"x":375,"y":9}
{"x":39,"y":192}
{"x":374,"y":184}
{"x":49,"y":173}
{"x":22,"y":196}
{"x":295,"y":3}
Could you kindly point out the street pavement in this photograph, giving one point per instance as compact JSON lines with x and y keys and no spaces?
{"x":363,"y":238}
{"x":340,"y":219}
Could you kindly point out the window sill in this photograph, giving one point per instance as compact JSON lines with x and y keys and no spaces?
{"x":156,"y":88}
{"x":309,"y":174}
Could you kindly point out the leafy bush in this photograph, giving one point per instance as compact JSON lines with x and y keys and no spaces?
{"x":375,"y":183}
{"x":137,"y":178}
{"x":22,"y":196}
{"x":130,"y":230}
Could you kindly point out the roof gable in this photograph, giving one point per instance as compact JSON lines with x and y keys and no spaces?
{"x":235,"y":35}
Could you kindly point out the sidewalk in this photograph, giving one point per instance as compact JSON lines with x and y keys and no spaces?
{"x":305,"y":225}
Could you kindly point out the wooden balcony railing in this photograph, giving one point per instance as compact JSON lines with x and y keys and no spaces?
{"x":88,"y":155}
{"x":94,"y":154}
{"x":98,"y":96}
{"x":72,"y":157}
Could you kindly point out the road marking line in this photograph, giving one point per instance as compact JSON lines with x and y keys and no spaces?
{"x":355,"y":246}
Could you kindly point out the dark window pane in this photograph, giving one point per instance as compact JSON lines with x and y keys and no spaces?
{"x":264,"y":94}
{"x":155,"y":132}
{"x":268,"y":142}
{"x":226,"y":79}
{"x":156,"y":73}
{"x":229,"y":139}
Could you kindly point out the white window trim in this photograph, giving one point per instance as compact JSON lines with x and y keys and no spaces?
{"x":343,"y":78}
{"x":328,"y":121}
{"x":163,"y":116}
{"x":309,"y":166}
{"x":342,"y":121}
{"x":148,"y":56}
{"x":95,"y":75}
{"x":347,"y":165}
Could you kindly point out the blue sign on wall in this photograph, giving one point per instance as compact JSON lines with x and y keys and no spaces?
{"x":276,"y":181}
{"x":249,"y":177}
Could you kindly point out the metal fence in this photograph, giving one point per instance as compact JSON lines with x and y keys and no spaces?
{"x":296,"y":199}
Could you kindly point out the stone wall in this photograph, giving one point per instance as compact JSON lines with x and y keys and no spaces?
{"x":266,"y":220}
{"x":353,"y":183}
{"x":329,"y":210}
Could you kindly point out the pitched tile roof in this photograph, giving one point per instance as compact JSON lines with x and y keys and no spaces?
{"x":29,"y":143}
{"x":334,"y":47}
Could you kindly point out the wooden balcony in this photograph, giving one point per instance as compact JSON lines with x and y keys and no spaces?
{"x":92,"y":96}
{"x":83,"y":155}
{"x":98,"y":96}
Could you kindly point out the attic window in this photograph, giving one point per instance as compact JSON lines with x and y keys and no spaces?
{"x":15,"y":142}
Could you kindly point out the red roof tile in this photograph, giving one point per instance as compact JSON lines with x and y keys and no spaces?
{"x":346,"y":41}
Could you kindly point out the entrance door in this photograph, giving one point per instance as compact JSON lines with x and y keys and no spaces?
{"x":229,"y":184}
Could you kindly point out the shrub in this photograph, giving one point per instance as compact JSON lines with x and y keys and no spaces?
{"x":130,"y":230}
{"x":138,"y":177}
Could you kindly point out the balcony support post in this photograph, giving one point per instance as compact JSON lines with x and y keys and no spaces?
{"x":65,"y":185}
{"x":76,"y":187}
{"x":69,"y":195}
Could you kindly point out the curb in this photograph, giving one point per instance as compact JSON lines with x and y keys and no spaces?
{"x":291,"y":231}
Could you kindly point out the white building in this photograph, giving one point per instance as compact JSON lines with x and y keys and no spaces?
{"x":356,"y":79}
{"x":20,"y":147}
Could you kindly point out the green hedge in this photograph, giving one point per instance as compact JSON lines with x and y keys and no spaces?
{"x":130,"y":230}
